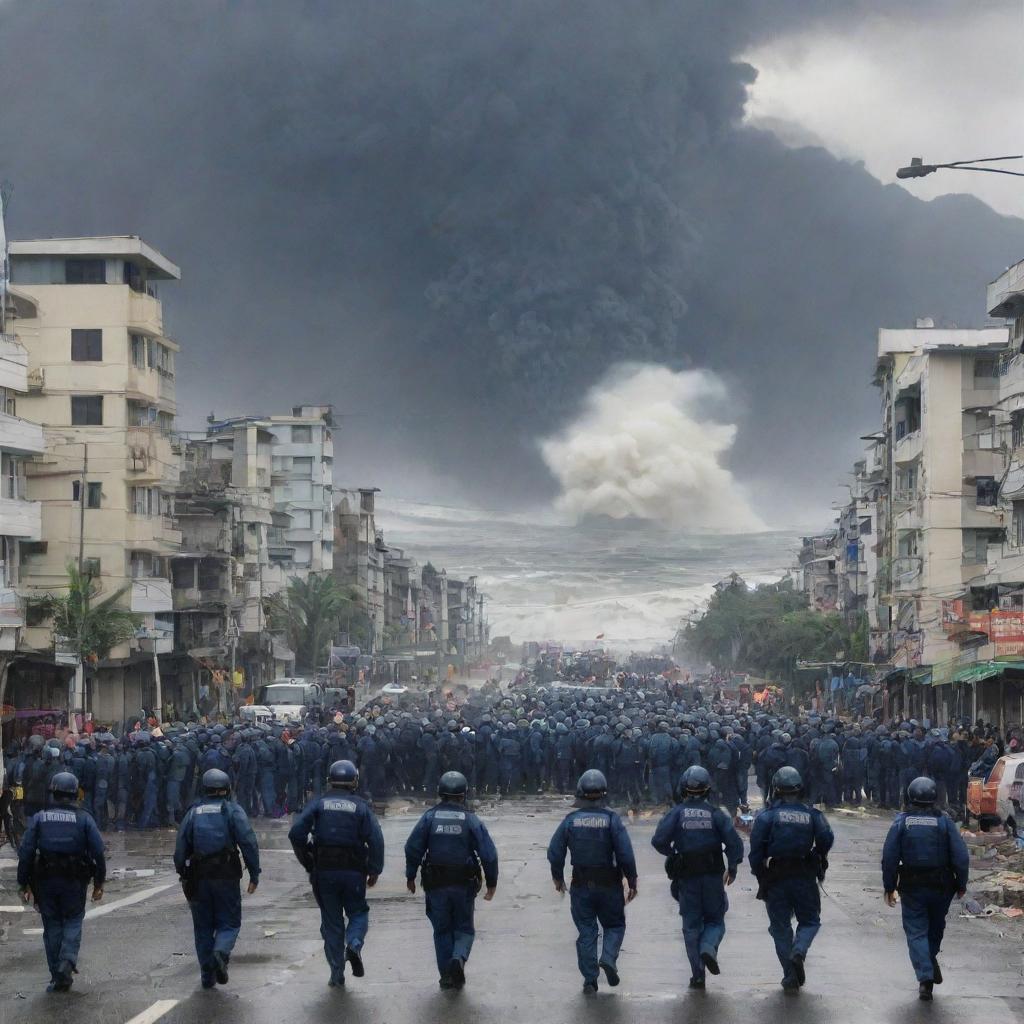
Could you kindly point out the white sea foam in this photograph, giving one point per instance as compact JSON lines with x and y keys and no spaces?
{"x":546,"y":579}
{"x":646,"y":446}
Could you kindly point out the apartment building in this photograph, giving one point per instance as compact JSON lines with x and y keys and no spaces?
{"x":100,"y":381}
{"x":20,"y":519}
{"x":224,"y":507}
{"x":939,"y":388}
{"x":302,"y":476}
{"x":360,"y":554}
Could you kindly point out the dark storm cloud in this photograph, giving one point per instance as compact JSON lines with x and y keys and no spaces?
{"x":450,"y":218}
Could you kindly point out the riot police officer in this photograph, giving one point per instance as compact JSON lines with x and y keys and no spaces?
{"x":692,"y":836}
{"x":212,"y":832}
{"x":452,"y":846}
{"x":924,"y":859}
{"x":61,"y":851}
{"x":789,"y":846}
{"x":338,"y":840}
{"x":602,"y":856}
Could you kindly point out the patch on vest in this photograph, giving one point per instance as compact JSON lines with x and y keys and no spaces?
{"x":448,"y":830}
{"x":340,"y":805}
{"x":696,"y":812}
{"x":450,"y":815}
{"x":66,"y":816}
{"x":915,"y":819}
{"x":597,"y":821}
{"x":208,"y":809}
{"x":794,"y":817}
{"x":697,"y":823}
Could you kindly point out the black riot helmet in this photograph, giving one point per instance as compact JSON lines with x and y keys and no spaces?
{"x":787,"y":781}
{"x":922,"y":792}
{"x":216,"y":782}
{"x":592,"y":785}
{"x":695,"y":781}
{"x":343,"y":775}
{"x":64,"y":786}
{"x":453,"y":785}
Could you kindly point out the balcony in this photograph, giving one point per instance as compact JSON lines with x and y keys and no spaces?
{"x":909,"y":447}
{"x":906,"y":572}
{"x":151,"y":594}
{"x":20,"y":519}
{"x":13,"y":363}
{"x":144,"y":311}
{"x":21,"y":437}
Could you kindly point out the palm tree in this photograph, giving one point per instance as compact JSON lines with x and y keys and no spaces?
{"x":309,"y":612}
{"x":91,"y":628}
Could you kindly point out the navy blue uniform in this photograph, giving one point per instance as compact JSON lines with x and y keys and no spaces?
{"x":926,"y":859}
{"x":452,"y":844}
{"x":61,"y":851}
{"x":212,"y":832}
{"x":694,"y":834}
{"x":602,"y":856}
{"x":337,"y":838}
{"x":783,"y":844}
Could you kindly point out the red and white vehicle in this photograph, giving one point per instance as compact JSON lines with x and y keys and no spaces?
{"x":999,"y":800}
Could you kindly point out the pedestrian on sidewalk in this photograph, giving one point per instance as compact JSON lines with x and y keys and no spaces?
{"x":338,"y":840}
{"x":789,"y":847}
{"x":206,"y":856}
{"x":926,"y":861}
{"x":602,"y":856}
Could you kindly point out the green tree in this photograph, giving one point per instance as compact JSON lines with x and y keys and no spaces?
{"x":309,"y":612}
{"x":91,"y":626}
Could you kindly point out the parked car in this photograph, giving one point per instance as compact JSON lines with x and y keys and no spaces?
{"x":998,"y":800}
{"x":393,"y":688}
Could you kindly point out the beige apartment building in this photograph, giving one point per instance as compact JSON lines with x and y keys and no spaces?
{"x":101,"y":384}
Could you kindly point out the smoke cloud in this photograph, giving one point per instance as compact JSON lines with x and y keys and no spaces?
{"x":451,"y":219}
{"x":645,"y":447}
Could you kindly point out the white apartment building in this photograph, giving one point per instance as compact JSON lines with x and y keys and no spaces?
{"x":303,"y":487}
{"x":20,"y":519}
{"x":939,"y":389}
{"x":101,"y":383}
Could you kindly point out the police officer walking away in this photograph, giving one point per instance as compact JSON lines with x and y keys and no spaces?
{"x":61,"y":851}
{"x":692,"y":836}
{"x":212,"y":832}
{"x":602,"y":856}
{"x":924,"y":859}
{"x":789,"y":846}
{"x":338,"y":840}
{"x":451,"y":845}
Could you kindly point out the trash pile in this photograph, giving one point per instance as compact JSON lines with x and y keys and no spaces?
{"x":997,"y":875}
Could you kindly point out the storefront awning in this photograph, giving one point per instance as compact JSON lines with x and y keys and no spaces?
{"x":986,"y":670}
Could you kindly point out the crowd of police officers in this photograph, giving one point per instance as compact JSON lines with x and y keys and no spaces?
{"x":650,"y":740}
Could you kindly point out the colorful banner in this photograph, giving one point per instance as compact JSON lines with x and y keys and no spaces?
{"x":1003,"y":627}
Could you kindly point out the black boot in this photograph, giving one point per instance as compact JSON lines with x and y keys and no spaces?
{"x":924,"y":991}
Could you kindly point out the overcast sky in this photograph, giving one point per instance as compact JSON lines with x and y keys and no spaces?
{"x":893,"y":86}
{"x":454,"y":219}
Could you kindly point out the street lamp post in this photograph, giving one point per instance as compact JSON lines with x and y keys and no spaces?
{"x":917,"y":168}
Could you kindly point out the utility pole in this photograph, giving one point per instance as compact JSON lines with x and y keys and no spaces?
{"x":78,"y":697}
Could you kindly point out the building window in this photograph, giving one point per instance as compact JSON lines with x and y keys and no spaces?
{"x":90,"y":567}
{"x":144,"y":565}
{"x":302,"y":435}
{"x":10,"y":485}
{"x":210,"y":574}
{"x":139,"y":351}
{"x":1018,"y":524}
{"x":302,"y":519}
{"x":141,"y":415}
{"x":986,"y":368}
{"x":93,"y":493}
{"x":8,"y":403}
{"x":86,"y":345}
{"x":303,"y":465}
{"x":87,"y":410}
{"x":145,"y":501}
{"x":85,"y":271}
{"x":184,"y":574}
{"x":987,"y":491}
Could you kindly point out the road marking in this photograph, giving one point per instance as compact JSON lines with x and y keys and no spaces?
{"x":109,"y":908}
{"x":12,"y":910}
{"x":155,"y":1012}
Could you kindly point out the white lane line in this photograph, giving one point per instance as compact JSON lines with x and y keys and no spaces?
{"x":109,"y":908}
{"x":155,"y":1012}
{"x":12,"y":910}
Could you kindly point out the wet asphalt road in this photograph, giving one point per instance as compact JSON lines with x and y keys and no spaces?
{"x":523,"y":966}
